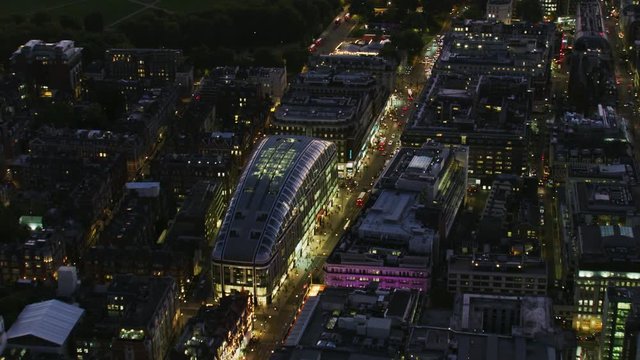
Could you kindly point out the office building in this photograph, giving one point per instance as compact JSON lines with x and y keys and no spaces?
{"x":92,"y":143}
{"x":285,"y":189}
{"x":44,"y":253}
{"x":218,"y":332}
{"x":549,"y":8}
{"x":360,"y":324}
{"x":325,"y":80}
{"x":135,"y":317}
{"x":201,"y":214}
{"x":607,"y":256}
{"x":511,"y":220}
{"x":439,"y":173}
{"x":602,"y":203}
{"x":347,"y":121}
{"x":487,"y":113}
{"x":382,"y":69}
{"x":497,"y":274}
{"x":502,"y":315}
{"x":389,"y":246}
{"x":483,"y":47}
{"x":591,"y":50}
{"x":595,"y":148}
{"x":178,"y":173}
{"x":49,"y":68}
{"x":619,"y":313}
{"x":500,"y":10}
{"x":150,"y":65}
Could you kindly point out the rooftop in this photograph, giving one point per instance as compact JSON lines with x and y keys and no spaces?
{"x":64,"y":49}
{"x":50,"y":321}
{"x":609,"y":247}
{"x":498,"y":263}
{"x":142,"y":298}
{"x":344,"y":321}
{"x":268,"y":194}
{"x":482,"y":105}
{"x":393,"y":217}
{"x":604,"y":198}
{"x":297,"y":106}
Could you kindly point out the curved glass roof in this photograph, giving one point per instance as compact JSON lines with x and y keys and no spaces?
{"x":269,"y":195}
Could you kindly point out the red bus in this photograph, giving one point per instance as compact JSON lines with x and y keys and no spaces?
{"x":362,"y":199}
{"x":382,"y":144}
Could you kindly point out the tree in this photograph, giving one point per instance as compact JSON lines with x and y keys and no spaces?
{"x":12,"y":231}
{"x":94,"y":22}
{"x":362,"y":8}
{"x":530,"y":11}
{"x":69,"y":22}
{"x":40,"y":18}
{"x":408,"y":40}
{"x":58,"y":114}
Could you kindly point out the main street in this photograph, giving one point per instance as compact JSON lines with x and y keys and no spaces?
{"x":273,"y":322}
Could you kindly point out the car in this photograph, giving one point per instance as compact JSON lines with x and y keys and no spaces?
{"x":393,"y":136}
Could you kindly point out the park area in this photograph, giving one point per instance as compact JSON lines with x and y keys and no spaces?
{"x":113,"y":11}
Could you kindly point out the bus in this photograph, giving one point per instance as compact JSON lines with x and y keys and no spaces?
{"x":362,"y":199}
{"x":382,"y":144}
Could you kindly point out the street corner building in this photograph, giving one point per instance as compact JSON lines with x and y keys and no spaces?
{"x":286,"y":188}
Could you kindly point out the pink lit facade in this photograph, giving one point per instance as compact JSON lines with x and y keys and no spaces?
{"x":359,"y":276}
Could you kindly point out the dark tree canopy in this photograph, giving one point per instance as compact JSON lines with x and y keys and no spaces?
{"x":530,"y":10}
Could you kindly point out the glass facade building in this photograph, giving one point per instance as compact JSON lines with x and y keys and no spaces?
{"x":283,"y":192}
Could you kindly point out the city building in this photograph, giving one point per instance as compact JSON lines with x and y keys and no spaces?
{"x":591,"y":50}
{"x":178,"y":173}
{"x":438,"y":173}
{"x":92,"y":183}
{"x":138,"y":221}
{"x":217,"y":332}
{"x":285,"y":189}
{"x":437,"y":342}
{"x":350,"y":324}
{"x":49,"y":68}
{"x":602,"y":204}
{"x":271,"y":82}
{"x":44,"y":253}
{"x":91,"y":143}
{"x":388,"y":246}
{"x":607,"y":256}
{"x":135,"y":317}
{"x":502,"y":314}
{"x":200,"y":215}
{"x":487,"y":47}
{"x":3,"y":336}
{"x":347,"y":121}
{"x":549,"y":8}
{"x":154,"y":66}
{"x":150,"y":116}
{"x":596,"y":148}
{"x":500,"y":10}
{"x":497,"y":274}
{"x":45,"y":328}
{"x":619,"y":322}
{"x":382,"y":69}
{"x":512,"y":218}
{"x":487,"y":113}
{"x":325,"y":80}
{"x":231,"y":100}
